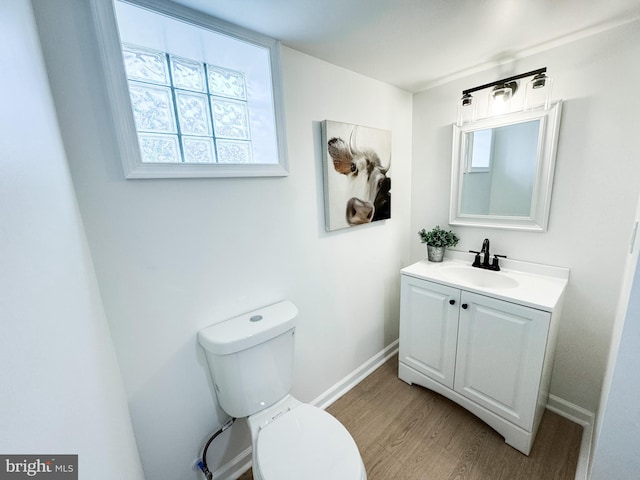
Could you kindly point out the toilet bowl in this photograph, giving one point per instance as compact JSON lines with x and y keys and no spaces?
{"x":302,"y":441}
{"x":251,"y":362}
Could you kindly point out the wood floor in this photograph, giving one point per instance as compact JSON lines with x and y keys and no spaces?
{"x":410,"y":433}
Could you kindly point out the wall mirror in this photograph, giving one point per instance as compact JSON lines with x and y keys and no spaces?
{"x":502,"y":170}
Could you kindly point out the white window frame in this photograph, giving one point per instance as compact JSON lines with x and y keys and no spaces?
{"x":120,"y":103}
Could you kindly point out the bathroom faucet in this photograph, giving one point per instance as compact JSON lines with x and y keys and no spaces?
{"x":485,"y":250}
{"x":485,"y":263}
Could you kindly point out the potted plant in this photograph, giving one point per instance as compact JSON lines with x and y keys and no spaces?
{"x":437,"y":241}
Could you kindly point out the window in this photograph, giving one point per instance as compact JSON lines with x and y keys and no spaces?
{"x":187,"y":111}
{"x":191,"y":96}
{"x":481,"y":151}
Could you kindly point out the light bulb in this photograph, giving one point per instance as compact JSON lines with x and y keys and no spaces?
{"x":500,"y":98}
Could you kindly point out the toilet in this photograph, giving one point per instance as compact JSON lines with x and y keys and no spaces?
{"x":251,"y":361}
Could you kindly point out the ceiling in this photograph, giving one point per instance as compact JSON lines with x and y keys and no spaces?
{"x":415,"y":44}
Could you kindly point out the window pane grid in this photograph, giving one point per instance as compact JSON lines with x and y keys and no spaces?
{"x":183,"y":107}
{"x":213,"y":127}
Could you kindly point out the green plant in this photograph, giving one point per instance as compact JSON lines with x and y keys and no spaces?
{"x":438,"y":237}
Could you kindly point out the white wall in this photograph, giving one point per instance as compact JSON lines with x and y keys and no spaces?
{"x":61,"y":387}
{"x":616,"y":454}
{"x":173,"y":256}
{"x":614,"y":451}
{"x":594,"y":196}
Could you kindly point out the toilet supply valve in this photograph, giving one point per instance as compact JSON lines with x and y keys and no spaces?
{"x":202,"y":464}
{"x":205,"y":470}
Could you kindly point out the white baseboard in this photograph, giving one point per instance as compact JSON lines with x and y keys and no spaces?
{"x":570,"y":411}
{"x":234,"y":468}
{"x":363,"y":371}
{"x":583,"y":417}
{"x":241,"y":463}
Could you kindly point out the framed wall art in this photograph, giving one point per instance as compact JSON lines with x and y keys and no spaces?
{"x":357,"y":184}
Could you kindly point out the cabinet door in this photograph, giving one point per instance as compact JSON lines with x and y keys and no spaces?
{"x":429,"y":328}
{"x":501,"y":349}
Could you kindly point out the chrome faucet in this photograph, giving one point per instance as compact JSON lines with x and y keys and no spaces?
{"x":485,"y":262}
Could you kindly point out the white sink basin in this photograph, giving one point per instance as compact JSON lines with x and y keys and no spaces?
{"x":477,"y":277}
{"x":530,"y":284}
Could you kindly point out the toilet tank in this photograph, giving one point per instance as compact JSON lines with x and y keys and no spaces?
{"x":251,"y":358}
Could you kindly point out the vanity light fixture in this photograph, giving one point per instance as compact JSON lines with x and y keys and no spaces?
{"x":466,"y":109}
{"x":538,"y":92}
{"x":503,"y":91}
{"x":466,"y":100}
{"x":500,"y":98}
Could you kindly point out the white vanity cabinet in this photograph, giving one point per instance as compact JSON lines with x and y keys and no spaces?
{"x":501,"y":349}
{"x":429,"y":328}
{"x":489,"y":354}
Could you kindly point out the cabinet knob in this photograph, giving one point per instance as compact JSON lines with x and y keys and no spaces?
{"x":465,"y":306}
{"x":452,"y":302}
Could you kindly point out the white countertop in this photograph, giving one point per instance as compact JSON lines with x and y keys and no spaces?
{"x":538,"y":286}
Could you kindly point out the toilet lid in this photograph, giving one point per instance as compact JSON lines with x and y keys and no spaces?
{"x":308,"y":443}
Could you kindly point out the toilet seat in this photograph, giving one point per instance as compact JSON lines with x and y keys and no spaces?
{"x":307,"y":442}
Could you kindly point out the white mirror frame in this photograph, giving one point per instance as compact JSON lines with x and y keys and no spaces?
{"x":119,"y":100}
{"x":538,"y":220}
